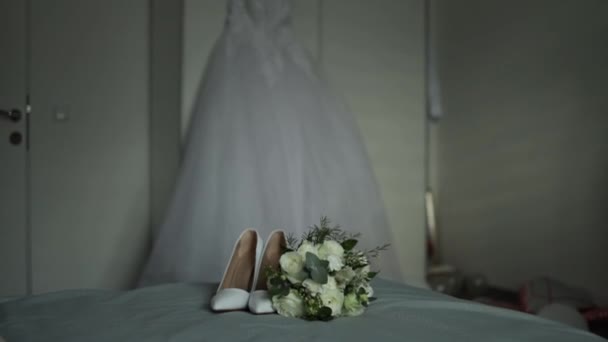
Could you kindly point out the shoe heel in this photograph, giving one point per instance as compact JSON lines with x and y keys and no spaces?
{"x":259,"y":300}
{"x":240,"y":274}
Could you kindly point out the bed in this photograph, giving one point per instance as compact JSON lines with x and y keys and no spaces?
{"x":179,"y":312}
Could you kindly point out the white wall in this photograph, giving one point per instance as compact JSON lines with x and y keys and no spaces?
{"x":373,"y":53}
{"x":166,"y":49}
{"x":524,"y":145}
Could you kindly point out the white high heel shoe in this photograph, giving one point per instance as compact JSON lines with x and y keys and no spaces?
{"x":240,"y":274}
{"x":259,"y":300}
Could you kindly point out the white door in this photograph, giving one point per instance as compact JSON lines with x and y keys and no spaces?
{"x":89,"y":173}
{"x":74,"y":200}
{"x":13,"y":150}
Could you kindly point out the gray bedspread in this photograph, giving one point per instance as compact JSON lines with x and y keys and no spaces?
{"x":179,"y":312}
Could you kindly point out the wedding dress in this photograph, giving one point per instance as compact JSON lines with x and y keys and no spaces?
{"x":268,"y":147}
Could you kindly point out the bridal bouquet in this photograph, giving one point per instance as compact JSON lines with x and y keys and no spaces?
{"x":321,"y":276}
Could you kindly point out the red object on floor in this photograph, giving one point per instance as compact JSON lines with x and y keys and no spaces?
{"x":597,"y":314}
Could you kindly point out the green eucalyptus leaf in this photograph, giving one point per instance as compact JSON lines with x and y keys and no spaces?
{"x":371,"y":275}
{"x":349,"y":244}
{"x":318,"y":268}
{"x":319,"y":276}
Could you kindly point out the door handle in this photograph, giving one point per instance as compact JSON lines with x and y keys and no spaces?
{"x":13,"y":115}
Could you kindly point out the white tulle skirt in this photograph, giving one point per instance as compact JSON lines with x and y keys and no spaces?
{"x":269,"y":147}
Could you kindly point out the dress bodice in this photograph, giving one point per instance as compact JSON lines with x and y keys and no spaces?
{"x":265,"y":14}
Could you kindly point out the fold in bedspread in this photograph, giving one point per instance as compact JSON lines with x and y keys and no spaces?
{"x":179,"y":312}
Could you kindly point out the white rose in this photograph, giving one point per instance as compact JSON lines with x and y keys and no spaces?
{"x":331,"y":284}
{"x":330,"y":247}
{"x":297,"y":279}
{"x":333,"y":299}
{"x":361,"y":272}
{"x":308,"y":247}
{"x":368,"y":289}
{"x":315,"y":287}
{"x":352,"y":305}
{"x":290,"y":305}
{"x":345,"y":275}
{"x":335,"y":263}
{"x":312,"y":286}
{"x":292,"y":264}
{"x":364,"y":270}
